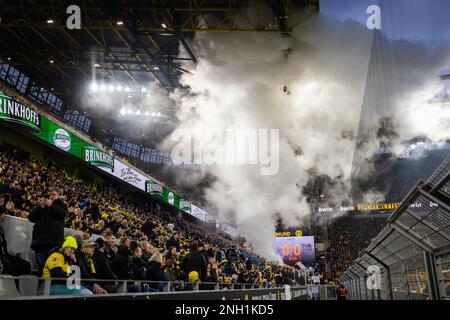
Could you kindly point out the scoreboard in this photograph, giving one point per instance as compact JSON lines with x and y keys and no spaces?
{"x":295,"y":249}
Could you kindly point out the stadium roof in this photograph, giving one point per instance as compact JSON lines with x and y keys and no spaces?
{"x":129,"y":41}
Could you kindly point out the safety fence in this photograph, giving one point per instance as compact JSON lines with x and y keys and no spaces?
{"x":410,"y":258}
{"x":32,"y":287}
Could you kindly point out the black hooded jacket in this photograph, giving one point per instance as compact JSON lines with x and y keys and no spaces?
{"x":138,"y":269}
{"x":103,"y":266}
{"x":194,"y":261}
{"x":121,"y":265}
{"x":48,"y":230}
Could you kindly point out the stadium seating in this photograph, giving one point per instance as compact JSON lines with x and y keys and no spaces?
{"x":93,"y":211}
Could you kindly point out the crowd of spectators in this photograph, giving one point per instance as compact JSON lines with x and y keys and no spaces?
{"x":116,"y":238}
{"x":348,"y":236}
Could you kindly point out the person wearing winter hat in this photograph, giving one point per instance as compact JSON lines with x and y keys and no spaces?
{"x":193,"y":278}
{"x":58,"y":265}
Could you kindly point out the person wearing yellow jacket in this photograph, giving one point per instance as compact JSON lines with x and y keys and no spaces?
{"x":58,"y":265}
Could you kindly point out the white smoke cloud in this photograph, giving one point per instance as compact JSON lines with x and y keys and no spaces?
{"x":238,"y":83}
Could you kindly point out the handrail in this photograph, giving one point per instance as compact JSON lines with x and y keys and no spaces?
{"x":130,"y":280}
{"x":167,"y":286}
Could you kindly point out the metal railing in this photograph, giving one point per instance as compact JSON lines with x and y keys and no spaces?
{"x":32,"y":287}
{"x":410,"y":258}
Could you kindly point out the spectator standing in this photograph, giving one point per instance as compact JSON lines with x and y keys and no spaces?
{"x":342,"y":293}
{"x":194,"y":261}
{"x":48,"y":230}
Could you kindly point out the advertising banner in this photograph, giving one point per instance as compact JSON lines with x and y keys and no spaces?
{"x":154,"y":188}
{"x":295,"y":249}
{"x":294,"y":293}
{"x":230,"y":230}
{"x":61,"y":138}
{"x":171,"y":198}
{"x":127,"y":174}
{"x":198,"y":213}
{"x":98,"y":158}
{"x":185,"y":205}
{"x":15,"y":112}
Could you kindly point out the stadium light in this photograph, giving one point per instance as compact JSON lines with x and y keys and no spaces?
{"x":153,"y":114}
{"x":123,"y":111}
{"x":156,"y":68}
{"x":146,"y":113}
{"x":94,"y":87}
{"x":51,"y":61}
{"x":143,"y":89}
{"x":138,"y":112}
{"x":111,"y":88}
{"x":159,"y":114}
{"x":96,"y":65}
{"x":102,"y":87}
{"x":119,"y":88}
{"x":164,"y":25}
{"x":127,"y":89}
{"x":50,"y":21}
{"x":129,"y":111}
{"x":9,"y":59}
{"x":119,"y":23}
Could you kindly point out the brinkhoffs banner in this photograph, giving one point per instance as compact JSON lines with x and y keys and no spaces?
{"x":16,"y":113}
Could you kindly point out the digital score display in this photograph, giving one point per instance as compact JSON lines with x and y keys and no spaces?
{"x":295,"y":249}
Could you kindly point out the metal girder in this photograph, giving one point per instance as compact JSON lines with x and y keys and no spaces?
{"x":386,"y":267}
{"x":176,"y":29}
{"x":157,"y":75}
{"x":412,"y":238}
{"x":226,"y":22}
{"x":218,"y":27}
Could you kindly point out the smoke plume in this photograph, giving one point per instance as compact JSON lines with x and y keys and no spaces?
{"x":311,"y":86}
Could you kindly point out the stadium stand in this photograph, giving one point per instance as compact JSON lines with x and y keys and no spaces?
{"x":348,"y":236}
{"x":116,"y":238}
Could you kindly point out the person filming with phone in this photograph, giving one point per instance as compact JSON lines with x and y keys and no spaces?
{"x":48,"y":230}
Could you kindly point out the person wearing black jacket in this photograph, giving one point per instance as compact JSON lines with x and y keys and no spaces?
{"x":205,"y":252}
{"x":88,"y":269}
{"x":155,"y":272}
{"x":93,"y":210}
{"x":102,"y":264}
{"x":48,"y":231}
{"x":248,"y":263}
{"x":147,"y":229}
{"x":173,"y":241}
{"x":121,"y":264}
{"x":194,"y":261}
{"x":138,"y":267}
{"x":10,"y":264}
{"x":110,"y":248}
